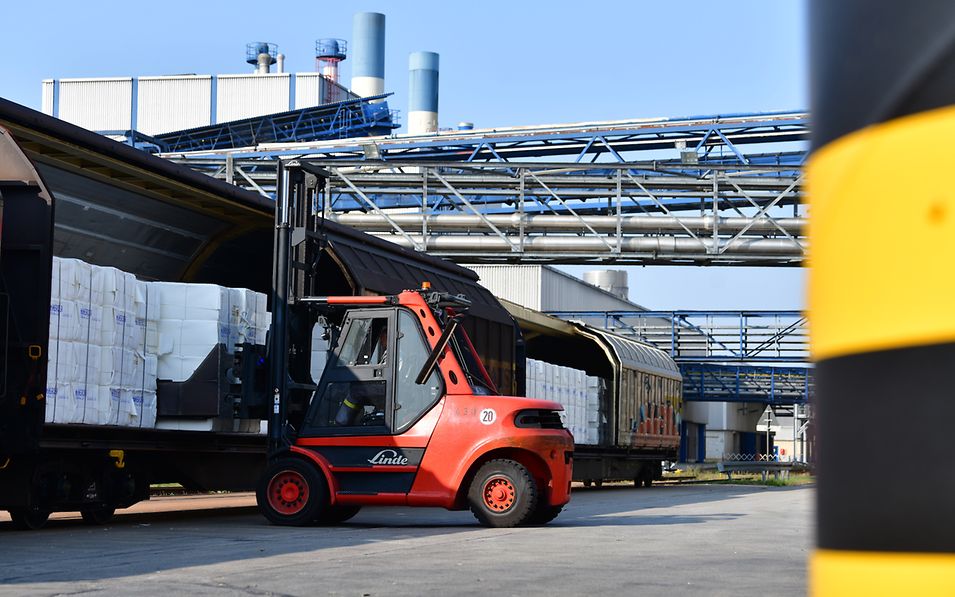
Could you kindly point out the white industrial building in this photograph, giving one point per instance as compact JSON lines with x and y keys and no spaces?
{"x":545,"y":288}
{"x":155,"y":105}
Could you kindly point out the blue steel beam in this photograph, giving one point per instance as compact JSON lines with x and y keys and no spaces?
{"x":703,"y":143}
{"x":703,"y":132}
{"x":354,"y":117}
{"x":747,"y":383}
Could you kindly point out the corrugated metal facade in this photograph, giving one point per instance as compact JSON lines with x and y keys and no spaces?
{"x":519,"y":284}
{"x":46,"y":103}
{"x":246,"y":96}
{"x":544,"y":288}
{"x":563,"y":292}
{"x":178,"y":102}
{"x":167,"y":104}
{"x":97,"y":104}
{"x":308,"y":90}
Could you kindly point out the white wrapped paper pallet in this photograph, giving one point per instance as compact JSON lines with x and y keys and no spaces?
{"x":59,"y":395}
{"x":107,"y":332}
{"x":74,"y":279}
{"x":98,"y":350}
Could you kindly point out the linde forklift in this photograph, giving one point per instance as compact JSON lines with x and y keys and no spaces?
{"x":405,"y":413}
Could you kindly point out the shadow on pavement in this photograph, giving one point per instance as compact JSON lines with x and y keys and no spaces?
{"x":145,"y":543}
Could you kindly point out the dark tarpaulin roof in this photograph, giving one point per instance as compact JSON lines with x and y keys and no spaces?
{"x":386,"y":271}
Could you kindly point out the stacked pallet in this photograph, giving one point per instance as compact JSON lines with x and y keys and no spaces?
{"x":576,"y":391}
{"x":112,"y":337}
{"x":194,"y":318}
{"x":103,"y":344}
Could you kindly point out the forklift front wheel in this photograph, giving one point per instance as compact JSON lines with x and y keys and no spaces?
{"x":292,"y":493}
{"x":503,"y":494}
{"x":29,"y":519}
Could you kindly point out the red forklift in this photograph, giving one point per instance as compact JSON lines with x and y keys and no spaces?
{"x":405,"y":413}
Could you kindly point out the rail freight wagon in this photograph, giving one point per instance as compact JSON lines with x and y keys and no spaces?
{"x":623,"y":400}
{"x":73,"y":194}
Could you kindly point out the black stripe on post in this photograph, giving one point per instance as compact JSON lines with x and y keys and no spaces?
{"x":886,"y":427}
{"x":873,"y":61}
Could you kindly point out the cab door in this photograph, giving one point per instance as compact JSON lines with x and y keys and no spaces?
{"x":369,"y":421}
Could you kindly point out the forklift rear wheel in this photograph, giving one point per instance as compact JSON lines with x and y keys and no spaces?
{"x":98,"y":516}
{"x":29,"y":519}
{"x":292,"y":492}
{"x":503,"y":494}
{"x":337,"y":514}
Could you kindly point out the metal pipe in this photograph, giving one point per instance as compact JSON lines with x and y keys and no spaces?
{"x":264,"y":61}
{"x":557,"y":244}
{"x":556,"y":223}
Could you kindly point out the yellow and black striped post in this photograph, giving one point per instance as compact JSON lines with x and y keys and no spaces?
{"x":882,"y":295}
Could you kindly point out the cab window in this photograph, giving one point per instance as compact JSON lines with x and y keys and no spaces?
{"x":413,"y":400}
{"x":353,"y":396}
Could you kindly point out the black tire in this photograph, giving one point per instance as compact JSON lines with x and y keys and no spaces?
{"x":598,"y":483}
{"x":648,"y":479}
{"x":98,"y":516}
{"x":544,"y":514}
{"x":337,"y":514}
{"x":588,"y":482}
{"x":292,"y":492}
{"x":503,"y":494}
{"x":29,"y":519}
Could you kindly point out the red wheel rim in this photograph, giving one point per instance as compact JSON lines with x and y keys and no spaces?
{"x":499,"y":494}
{"x":288,"y":492}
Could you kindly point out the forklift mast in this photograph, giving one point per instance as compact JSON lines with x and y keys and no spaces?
{"x":299,"y":240}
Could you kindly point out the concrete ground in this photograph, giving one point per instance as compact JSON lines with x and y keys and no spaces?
{"x":674,"y":540}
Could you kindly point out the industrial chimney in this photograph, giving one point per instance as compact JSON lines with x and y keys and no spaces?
{"x":423,"y":93}
{"x":368,"y":54}
{"x":328,"y":54}
{"x":261,"y":55}
{"x":613,"y":281}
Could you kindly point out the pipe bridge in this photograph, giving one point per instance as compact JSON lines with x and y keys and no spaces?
{"x":708,"y":190}
{"x":634,"y":213}
{"x":726,"y":356}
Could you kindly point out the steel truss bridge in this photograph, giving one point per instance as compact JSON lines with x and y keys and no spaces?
{"x":726,"y":356}
{"x":636,"y":192}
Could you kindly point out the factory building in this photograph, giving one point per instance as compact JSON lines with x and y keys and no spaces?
{"x":545,"y":288}
{"x":155,"y":106}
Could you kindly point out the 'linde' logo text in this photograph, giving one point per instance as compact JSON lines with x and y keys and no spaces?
{"x":388,"y":457}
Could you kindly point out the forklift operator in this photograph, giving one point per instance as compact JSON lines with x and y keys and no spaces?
{"x":364,"y":404}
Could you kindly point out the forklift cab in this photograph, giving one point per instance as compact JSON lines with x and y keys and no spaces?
{"x":368,"y":386}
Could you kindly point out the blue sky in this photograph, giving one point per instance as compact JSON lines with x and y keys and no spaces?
{"x":502,"y":64}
